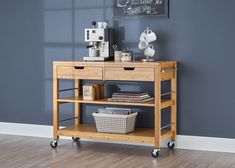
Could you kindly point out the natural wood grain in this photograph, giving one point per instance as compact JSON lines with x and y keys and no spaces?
{"x":126,"y":71}
{"x":174,"y":106}
{"x":168,"y":71}
{"x":55,"y":103}
{"x":105,"y":101}
{"x":164,"y":104}
{"x":143,"y":135}
{"x":77,"y":106}
{"x":86,"y":72}
{"x":31,"y":152}
{"x":167,"y":75}
{"x":112,"y":63}
{"x":157,"y":109}
{"x":130,"y":73}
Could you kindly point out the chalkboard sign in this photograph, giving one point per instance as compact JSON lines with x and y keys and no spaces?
{"x":140,"y":7}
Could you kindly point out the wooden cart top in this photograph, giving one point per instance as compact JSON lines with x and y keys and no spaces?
{"x":113,"y":63}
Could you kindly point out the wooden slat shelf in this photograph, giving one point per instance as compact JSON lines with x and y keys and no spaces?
{"x":142,"y":135}
{"x":102,"y":101}
{"x":165,"y":103}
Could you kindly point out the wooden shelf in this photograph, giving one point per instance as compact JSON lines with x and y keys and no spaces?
{"x":142,"y":135}
{"x":165,"y":103}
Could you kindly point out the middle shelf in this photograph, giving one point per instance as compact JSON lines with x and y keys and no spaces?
{"x":164,"y":104}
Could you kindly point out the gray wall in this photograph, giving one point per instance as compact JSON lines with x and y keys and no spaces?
{"x":199,"y":34}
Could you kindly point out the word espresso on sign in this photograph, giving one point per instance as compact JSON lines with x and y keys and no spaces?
{"x":140,"y":7}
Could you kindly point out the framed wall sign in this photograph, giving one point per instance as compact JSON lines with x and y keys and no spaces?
{"x":124,"y":8}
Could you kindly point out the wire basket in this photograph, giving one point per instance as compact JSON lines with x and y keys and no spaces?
{"x":113,"y":123}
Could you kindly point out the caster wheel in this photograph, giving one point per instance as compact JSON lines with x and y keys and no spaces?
{"x":155,"y":153}
{"x":53,"y":144}
{"x":75,"y":139}
{"x":171,"y":145}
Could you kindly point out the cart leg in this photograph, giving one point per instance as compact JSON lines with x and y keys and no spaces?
{"x":55,"y":108}
{"x":174,"y":107}
{"x":157,"y":113}
{"x":77,"y":107}
{"x":55,"y":121}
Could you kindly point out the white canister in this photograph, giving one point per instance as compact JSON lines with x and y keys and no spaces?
{"x":117,"y":55}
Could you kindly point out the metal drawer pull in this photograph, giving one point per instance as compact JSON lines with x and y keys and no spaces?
{"x":169,"y":70}
{"x":129,"y":68}
{"x":78,"y":67}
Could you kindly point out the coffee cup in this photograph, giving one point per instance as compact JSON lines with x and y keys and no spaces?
{"x":149,"y":36}
{"x":149,"y":51}
{"x":143,"y":36}
{"x":143,"y":44}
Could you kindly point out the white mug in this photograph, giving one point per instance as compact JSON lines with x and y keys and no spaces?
{"x":150,"y":36}
{"x":143,"y":36}
{"x":143,"y":44}
{"x":149,"y":51}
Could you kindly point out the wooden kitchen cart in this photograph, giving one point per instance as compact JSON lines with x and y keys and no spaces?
{"x":155,"y":72}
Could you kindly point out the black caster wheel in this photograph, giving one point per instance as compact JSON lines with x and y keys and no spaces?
{"x":171,"y":145}
{"x":54,"y":144}
{"x":75,"y":139}
{"x":155,"y":153}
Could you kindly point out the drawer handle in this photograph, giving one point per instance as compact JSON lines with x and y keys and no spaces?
{"x":129,"y":68}
{"x":77,"y":67}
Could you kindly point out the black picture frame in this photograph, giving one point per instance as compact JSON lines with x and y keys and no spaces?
{"x":135,"y":8}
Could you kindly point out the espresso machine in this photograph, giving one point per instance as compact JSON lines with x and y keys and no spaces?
{"x":100,"y":41}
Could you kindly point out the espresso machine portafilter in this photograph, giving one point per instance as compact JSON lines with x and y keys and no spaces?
{"x":99,"y":40}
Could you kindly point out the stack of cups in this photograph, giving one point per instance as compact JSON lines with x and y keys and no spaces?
{"x":147,"y":37}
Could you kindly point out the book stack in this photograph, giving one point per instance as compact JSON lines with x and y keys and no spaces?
{"x":130,"y":97}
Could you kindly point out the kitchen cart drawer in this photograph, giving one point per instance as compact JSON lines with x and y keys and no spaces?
{"x":80,"y":72}
{"x":129,"y":73}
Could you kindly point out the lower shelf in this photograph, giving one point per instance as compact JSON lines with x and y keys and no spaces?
{"x":142,"y":135}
